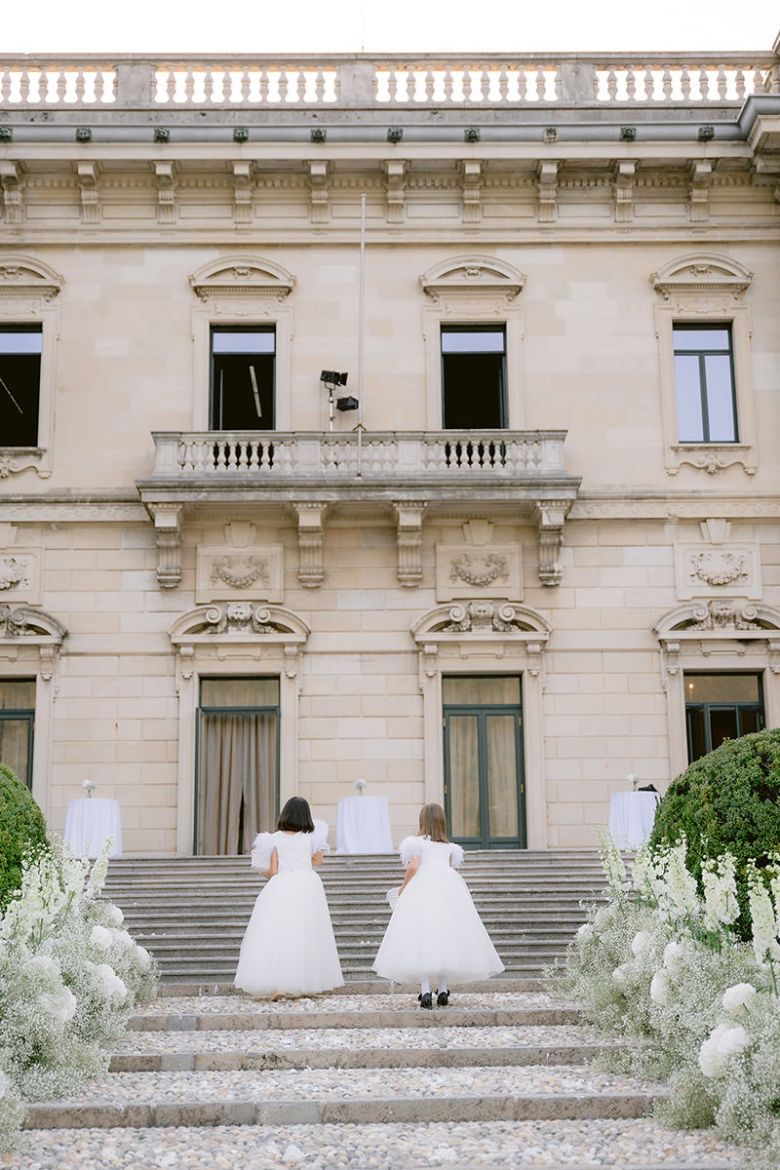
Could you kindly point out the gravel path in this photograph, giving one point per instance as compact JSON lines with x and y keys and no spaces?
{"x":233,"y":1004}
{"x":580,"y":1145}
{"x":346,"y":1039}
{"x":351,"y":1084}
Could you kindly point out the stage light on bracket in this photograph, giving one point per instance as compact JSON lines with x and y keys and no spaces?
{"x":333,"y":378}
{"x":348,"y":403}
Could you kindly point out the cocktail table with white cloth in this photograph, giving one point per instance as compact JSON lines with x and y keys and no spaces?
{"x":631,"y":817}
{"x":363,"y":825}
{"x":89,"y":821}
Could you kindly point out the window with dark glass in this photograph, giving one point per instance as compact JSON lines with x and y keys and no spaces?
{"x":473,"y":361}
{"x":17,"y":720}
{"x":704,"y":374}
{"x":242,"y":378}
{"x":20,"y":384}
{"x":720,"y":707}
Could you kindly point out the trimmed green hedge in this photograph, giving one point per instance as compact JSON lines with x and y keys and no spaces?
{"x":727,"y":800}
{"x":22,"y":827}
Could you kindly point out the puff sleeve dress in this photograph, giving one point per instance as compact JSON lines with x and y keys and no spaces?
{"x":289,"y":947}
{"x":435,"y":931}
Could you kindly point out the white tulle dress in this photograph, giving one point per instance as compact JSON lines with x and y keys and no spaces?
{"x":289,"y":948}
{"x":435,"y":932}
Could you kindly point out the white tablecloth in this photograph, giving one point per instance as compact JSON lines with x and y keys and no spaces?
{"x":364,"y":825}
{"x":88,"y":822}
{"x":631,"y":816}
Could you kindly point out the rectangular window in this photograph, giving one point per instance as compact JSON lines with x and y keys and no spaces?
{"x":20,"y":384}
{"x":720,"y":707}
{"x":242,"y":378}
{"x":473,"y":359}
{"x":17,"y":720}
{"x":704,"y":373}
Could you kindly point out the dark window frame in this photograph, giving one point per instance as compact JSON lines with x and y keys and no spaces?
{"x":35,"y":327}
{"x":737,"y":705}
{"x":481,"y":327}
{"x":26,"y":715}
{"x":218,"y":328}
{"x":702,"y":354}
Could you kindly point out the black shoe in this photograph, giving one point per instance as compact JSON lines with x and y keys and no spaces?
{"x":443,"y":998}
{"x":426,"y":1001}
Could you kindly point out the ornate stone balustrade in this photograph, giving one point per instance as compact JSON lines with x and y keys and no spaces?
{"x":402,"y":82}
{"x":326,"y":458}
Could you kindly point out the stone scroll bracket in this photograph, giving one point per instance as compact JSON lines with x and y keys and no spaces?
{"x":311,"y":539}
{"x":12,"y":189}
{"x":409,"y":527}
{"x":547,"y":191}
{"x":165,"y":178}
{"x":167,"y":534}
{"x":550,"y":517}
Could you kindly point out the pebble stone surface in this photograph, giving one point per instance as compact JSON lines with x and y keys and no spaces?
{"x":582,"y":1145}
{"x":245,"y":1005}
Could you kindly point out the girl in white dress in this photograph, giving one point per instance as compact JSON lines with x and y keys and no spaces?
{"x":435,"y":932}
{"x":289,"y":948}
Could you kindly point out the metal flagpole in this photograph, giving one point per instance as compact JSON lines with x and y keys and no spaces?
{"x":361,"y":328}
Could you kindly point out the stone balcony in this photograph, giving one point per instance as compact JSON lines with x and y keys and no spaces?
{"x":521,"y":473}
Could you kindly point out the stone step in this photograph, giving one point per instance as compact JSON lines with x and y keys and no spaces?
{"x":501,"y":984}
{"x":612,"y":1144}
{"x":352,"y":1096}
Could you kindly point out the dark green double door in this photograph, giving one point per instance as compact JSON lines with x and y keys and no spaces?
{"x":484,"y":787}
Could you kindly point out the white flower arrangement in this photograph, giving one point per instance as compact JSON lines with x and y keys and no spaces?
{"x":720,"y":892}
{"x":640,"y":942}
{"x":722,"y":1043}
{"x":360,"y":786}
{"x":659,"y":988}
{"x":89,"y":786}
{"x":737,"y":998}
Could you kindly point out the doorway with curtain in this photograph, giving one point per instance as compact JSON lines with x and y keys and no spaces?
{"x":237,"y":787}
{"x":484,"y":785}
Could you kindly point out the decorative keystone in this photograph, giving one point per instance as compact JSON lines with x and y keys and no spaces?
{"x":162,"y":134}
{"x":395,"y":134}
{"x":6,"y":134}
{"x":471,"y":134}
{"x":318,"y":134}
{"x":706,"y":133}
{"x":240,"y":134}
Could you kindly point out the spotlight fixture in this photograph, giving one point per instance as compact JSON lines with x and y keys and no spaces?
{"x":550,"y":135}
{"x":348,"y":403}
{"x":240,"y":134}
{"x":162,"y":134}
{"x":628,"y":133}
{"x":83,"y":134}
{"x":395,"y":134}
{"x":6,"y":134}
{"x":332,"y":378}
{"x":317,"y":134}
{"x":471,"y":134}
{"x":706,"y":133}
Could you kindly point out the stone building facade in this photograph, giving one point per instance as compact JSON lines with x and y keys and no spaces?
{"x":533,"y":550}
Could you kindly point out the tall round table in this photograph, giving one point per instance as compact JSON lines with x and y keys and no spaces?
{"x":363,"y":825}
{"x":90,"y":820}
{"x":631,"y":817}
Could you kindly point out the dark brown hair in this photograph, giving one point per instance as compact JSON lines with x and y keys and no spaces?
{"x":295,"y":817}
{"x":433,"y":823}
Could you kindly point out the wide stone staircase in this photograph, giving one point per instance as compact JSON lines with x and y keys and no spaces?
{"x":361,"y":1079}
{"x":191,"y":913}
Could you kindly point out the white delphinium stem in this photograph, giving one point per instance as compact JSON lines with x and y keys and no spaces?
{"x":762,"y":913}
{"x":614,"y":869}
{"x":720,"y":893}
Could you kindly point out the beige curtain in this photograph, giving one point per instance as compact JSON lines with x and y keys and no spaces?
{"x":237,"y":781}
{"x":14,"y":746}
{"x":464,"y":776}
{"x":502,"y":778}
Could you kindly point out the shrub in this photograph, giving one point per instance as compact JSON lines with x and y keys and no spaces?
{"x":22,"y":829}
{"x":728,"y":801}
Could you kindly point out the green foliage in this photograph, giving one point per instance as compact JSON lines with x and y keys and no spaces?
{"x":22,"y":829}
{"x":728,"y":801}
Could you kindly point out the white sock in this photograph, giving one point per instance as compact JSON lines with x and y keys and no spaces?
{"x":443,"y":983}
{"x":425,"y":987}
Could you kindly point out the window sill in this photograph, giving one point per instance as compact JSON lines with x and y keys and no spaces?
{"x":711,"y":457}
{"x":16,"y":459}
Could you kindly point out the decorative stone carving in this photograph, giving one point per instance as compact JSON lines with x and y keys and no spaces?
{"x":551,"y":515}
{"x":395,"y":192}
{"x":483,"y":619}
{"x":719,"y":615}
{"x":225,"y":573}
{"x":483,"y":615}
{"x":702,"y":272}
{"x":311,"y":538}
{"x":25,"y":276}
{"x":465,"y":276}
{"x":471,"y":179}
{"x":242,"y":276}
{"x":13,"y":191}
{"x":409,"y":520}
{"x":238,"y":620}
{"x":319,"y":195}
{"x":713,"y":459}
{"x":33,"y":627}
{"x":724,"y":615}
{"x":165,"y":176}
{"x":88,"y":174}
{"x":242,"y":192}
{"x":463,"y":570}
{"x":712,"y":569}
{"x":167,"y":533}
{"x":19,"y":576}
{"x":625,"y":174}
{"x":547,"y":189}
{"x":701,"y":172}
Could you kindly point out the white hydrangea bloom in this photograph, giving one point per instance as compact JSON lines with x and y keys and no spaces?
{"x":722,"y":1043}
{"x":101,"y":937}
{"x":675,"y":954}
{"x":144,"y":958}
{"x":121,"y":938}
{"x":114,"y":914}
{"x":585,"y":932}
{"x":659,"y":988}
{"x":738,"y":997}
{"x":43,"y":963}
{"x":640,"y":942}
{"x":603,"y":918}
{"x":113,"y":986}
{"x":61,"y":1006}
{"x":619,"y":977}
